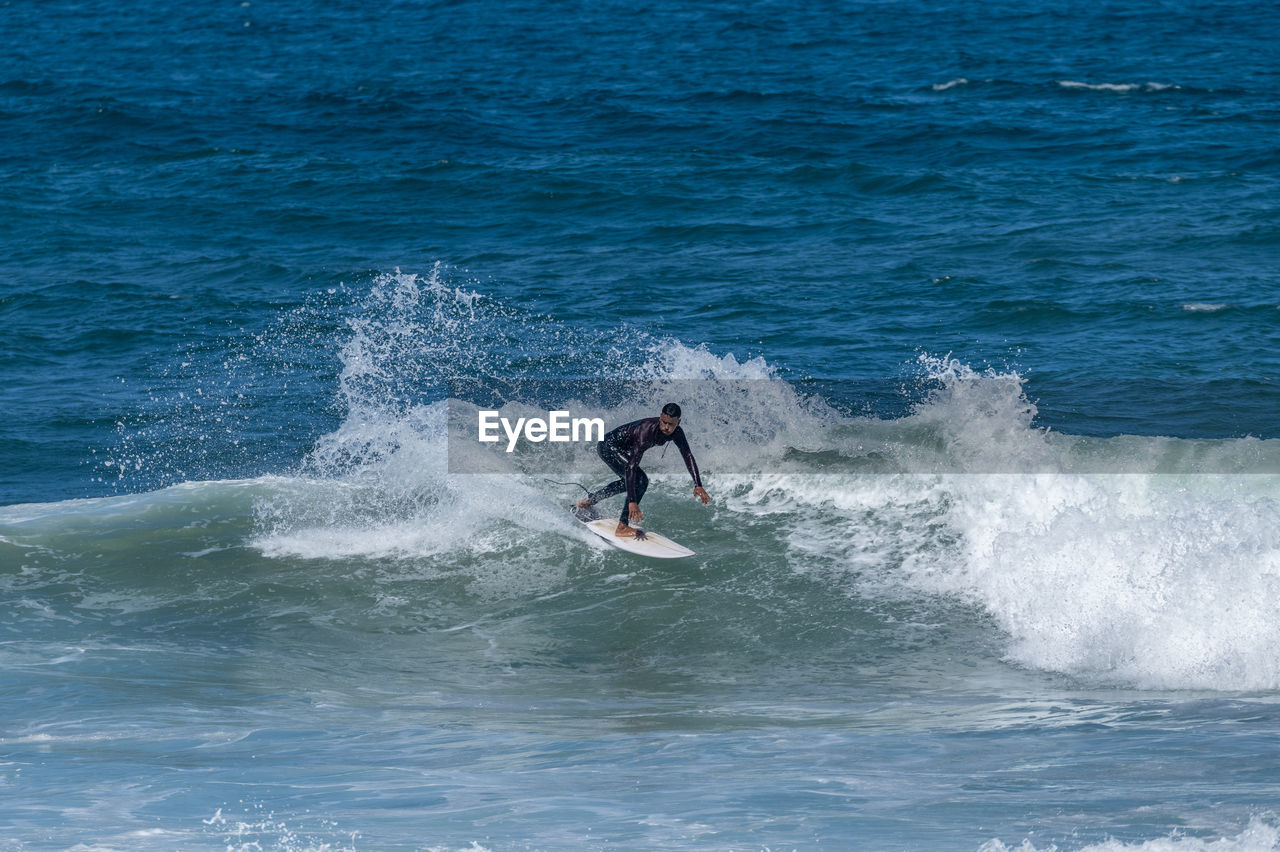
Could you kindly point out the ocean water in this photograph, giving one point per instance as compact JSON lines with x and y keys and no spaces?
{"x":974,"y":312}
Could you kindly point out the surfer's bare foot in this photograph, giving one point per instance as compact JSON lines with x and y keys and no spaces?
{"x":585,"y":503}
{"x":624,"y":531}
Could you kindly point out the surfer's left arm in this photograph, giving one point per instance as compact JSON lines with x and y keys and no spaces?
{"x":683,"y":445}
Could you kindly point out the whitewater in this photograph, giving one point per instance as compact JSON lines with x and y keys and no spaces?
{"x":870,"y":597}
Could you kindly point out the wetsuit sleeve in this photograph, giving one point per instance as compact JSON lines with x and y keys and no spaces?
{"x":683,"y":446}
{"x":641,"y":432}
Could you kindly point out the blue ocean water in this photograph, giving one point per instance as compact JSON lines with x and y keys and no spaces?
{"x":992,"y":555}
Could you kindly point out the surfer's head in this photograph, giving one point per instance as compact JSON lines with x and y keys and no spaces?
{"x":669,"y":419}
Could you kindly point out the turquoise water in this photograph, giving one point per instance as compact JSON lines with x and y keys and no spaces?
{"x":973,"y":313}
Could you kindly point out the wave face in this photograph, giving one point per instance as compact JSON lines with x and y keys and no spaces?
{"x":1153,"y":580}
{"x":832,"y":573}
{"x":370,"y":578}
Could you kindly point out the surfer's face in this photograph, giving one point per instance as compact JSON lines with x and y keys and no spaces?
{"x":667,"y":423}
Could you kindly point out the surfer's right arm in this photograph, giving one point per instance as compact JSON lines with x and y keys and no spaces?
{"x":633,"y":464}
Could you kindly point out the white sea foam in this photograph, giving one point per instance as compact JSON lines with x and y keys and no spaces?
{"x":1161,"y":582}
{"x":1259,"y":836}
{"x":1165,"y":581}
{"x":264,"y":830}
{"x":1122,"y":88}
{"x":380,"y":484}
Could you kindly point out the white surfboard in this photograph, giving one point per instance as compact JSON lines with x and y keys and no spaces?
{"x":646,"y":544}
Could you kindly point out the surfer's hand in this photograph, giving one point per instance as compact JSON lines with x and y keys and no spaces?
{"x":701,"y":494}
{"x":634,"y":513}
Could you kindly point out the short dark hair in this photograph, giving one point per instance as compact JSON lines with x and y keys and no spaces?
{"x":671,"y":409}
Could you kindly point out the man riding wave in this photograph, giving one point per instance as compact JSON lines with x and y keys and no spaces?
{"x":624,"y":447}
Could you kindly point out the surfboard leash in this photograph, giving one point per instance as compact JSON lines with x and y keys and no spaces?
{"x":584,"y":488}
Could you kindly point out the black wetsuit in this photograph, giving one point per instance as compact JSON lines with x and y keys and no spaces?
{"x":622,"y":450}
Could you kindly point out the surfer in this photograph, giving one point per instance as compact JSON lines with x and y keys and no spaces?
{"x":622,"y":450}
